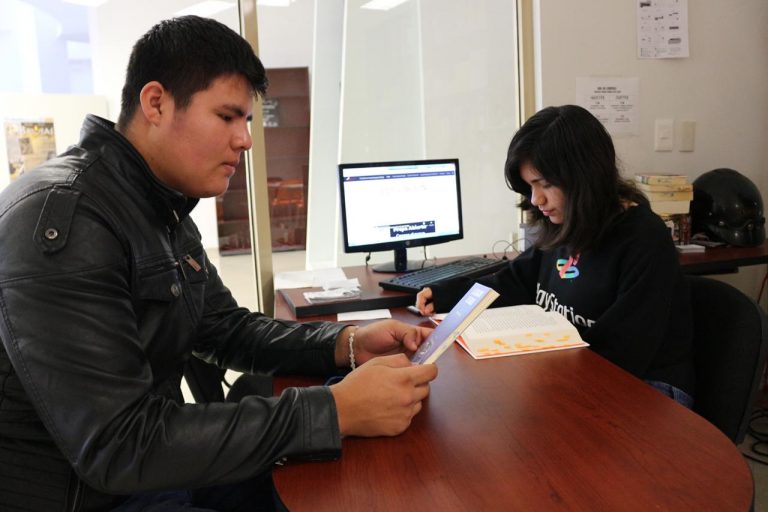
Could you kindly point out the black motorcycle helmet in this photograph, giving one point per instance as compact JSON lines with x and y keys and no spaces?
{"x":727,"y":207}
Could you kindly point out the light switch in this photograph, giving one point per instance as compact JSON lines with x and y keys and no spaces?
{"x":664,"y":135}
{"x":687,"y":135}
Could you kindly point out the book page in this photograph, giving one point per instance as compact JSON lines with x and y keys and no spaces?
{"x":519,"y":318}
{"x":518,"y":330}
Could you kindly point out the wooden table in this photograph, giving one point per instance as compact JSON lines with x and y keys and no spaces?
{"x":563,"y":430}
{"x":724,"y":259}
{"x":713,"y":260}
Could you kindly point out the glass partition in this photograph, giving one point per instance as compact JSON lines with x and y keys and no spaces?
{"x":422,"y":79}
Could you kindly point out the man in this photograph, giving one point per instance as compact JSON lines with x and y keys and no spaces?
{"x":105,"y":292}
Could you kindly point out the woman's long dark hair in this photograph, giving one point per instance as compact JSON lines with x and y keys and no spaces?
{"x":571,"y":150}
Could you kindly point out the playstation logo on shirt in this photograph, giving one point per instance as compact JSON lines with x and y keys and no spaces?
{"x":567,"y":268}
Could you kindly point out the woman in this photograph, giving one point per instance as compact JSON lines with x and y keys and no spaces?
{"x":601,"y":257}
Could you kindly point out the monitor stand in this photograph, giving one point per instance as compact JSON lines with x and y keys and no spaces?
{"x":402,"y":264}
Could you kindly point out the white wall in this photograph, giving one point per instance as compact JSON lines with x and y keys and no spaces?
{"x":18,"y":48}
{"x":722,"y":86}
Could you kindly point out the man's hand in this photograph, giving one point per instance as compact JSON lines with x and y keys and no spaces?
{"x":424,"y":302}
{"x":381,"y":397}
{"x":382,"y":338}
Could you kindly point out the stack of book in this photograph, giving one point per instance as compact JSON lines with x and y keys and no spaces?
{"x":670,"y":196}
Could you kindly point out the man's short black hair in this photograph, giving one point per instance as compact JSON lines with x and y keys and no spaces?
{"x":186,"y":54}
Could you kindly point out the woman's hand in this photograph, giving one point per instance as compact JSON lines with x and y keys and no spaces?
{"x":424,"y":302}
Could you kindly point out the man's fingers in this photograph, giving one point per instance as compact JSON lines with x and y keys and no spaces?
{"x":393,"y":361}
{"x":420,"y":393}
{"x":414,"y":336}
{"x":422,"y":373}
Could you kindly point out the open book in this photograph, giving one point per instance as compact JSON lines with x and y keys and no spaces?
{"x":454,"y":323}
{"x":513,"y":330}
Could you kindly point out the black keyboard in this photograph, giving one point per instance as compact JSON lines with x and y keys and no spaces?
{"x":467,"y":267}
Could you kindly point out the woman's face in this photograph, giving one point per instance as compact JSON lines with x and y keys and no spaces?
{"x":549,"y":199}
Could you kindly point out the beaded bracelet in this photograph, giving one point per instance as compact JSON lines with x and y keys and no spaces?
{"x":351,"y":340}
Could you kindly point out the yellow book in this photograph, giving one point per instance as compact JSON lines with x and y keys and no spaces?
{"x":661,"y":179}
{"x":670,"y":207}
{"x":663,"y":187}
{"x":680,"y":195}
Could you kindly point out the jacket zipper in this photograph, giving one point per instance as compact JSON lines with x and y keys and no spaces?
{"x":192,"y":263}
{"x":77,"y":497}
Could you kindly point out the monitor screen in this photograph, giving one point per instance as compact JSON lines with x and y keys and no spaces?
{"x":396,"y":205}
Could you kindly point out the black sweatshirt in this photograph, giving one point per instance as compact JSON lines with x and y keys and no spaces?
{"x":627,"y":298}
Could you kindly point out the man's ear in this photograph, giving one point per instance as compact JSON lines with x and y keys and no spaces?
{"x":153,"y":99}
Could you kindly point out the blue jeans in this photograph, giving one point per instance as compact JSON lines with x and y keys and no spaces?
{"x":254,"y":495}
{"x":676,"y":394}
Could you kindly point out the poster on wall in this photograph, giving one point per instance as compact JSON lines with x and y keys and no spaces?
{"x":662,"y":29}
{"x":29,"y":143}
{"x":270,"y":113}
{"x":614,"y":101}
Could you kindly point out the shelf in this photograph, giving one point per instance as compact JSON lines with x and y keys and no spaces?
{"x":287,"y":159}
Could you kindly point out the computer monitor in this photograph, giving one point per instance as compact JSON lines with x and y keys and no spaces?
{"x":396,"y":205}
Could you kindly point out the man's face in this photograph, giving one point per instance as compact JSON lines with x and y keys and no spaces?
{"x":198,"y":148}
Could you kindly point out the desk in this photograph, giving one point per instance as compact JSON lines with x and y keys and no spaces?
{"x":561,"y":430}
{"x":372,"y":296}
{"x":713,"y":260}
{"x":723,"y":259}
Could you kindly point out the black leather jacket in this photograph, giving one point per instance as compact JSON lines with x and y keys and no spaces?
{"x":105,"y":291}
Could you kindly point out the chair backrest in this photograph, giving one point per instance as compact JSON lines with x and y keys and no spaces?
{"x":204,"y":380}
{"x":730,"y":346}
{"x":207,"y":383}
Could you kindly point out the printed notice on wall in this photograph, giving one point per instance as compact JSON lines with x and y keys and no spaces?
{"x":270,"y":113}
{"x":662,"y":29}
{"x":614,"y":101}
{"x":29,"y":142}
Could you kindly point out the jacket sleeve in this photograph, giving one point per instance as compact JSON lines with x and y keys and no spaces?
{"x":69,"y":325}
{"x":515,"y":283}
{"x":235,"y":338}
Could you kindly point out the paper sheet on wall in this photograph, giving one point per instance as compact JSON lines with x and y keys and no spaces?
{"x":29,"y":143}
{"x":614,"y":101}
{"x":662,"y":29}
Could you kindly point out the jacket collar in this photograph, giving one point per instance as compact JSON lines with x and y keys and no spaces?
{"x":98,"y":134}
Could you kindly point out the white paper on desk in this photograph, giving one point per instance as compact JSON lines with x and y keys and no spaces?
{"x":308,"y":278}
{"x":347,"y":284}
{"x":332,"y":295}
{"x":371,"y":314}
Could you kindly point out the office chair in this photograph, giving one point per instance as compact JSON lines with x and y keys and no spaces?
{"x":730,"y":340}
{"x":206,"y":382}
